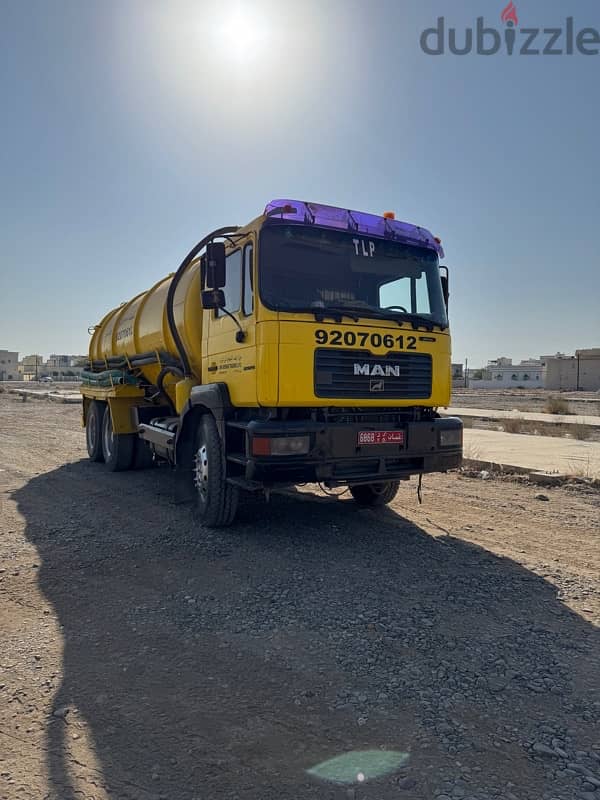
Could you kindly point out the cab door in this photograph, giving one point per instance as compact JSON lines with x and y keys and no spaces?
{"x":230,"y":360}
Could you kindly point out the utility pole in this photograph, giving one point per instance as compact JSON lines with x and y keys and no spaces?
{"x":466,"y":373}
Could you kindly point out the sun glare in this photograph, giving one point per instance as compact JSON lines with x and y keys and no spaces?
{"x":242,"y":36}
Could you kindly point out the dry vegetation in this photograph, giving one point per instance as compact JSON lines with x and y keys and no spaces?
{"x":513,"y":425}
{"x":556,"y":405}
{"x":519,"y":425}
{"x":580,"y":431}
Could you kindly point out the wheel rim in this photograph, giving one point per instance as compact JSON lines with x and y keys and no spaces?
{"x":377,"y":489}
{"x":92,"y":431}
{"x":201,"y":472}
{"x":107,"y":436}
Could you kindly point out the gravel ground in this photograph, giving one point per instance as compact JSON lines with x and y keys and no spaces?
{"x":144,"y":657}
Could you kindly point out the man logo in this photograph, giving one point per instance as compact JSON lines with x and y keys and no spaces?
{"x":385,"y":371}
{"x":376,"y":386}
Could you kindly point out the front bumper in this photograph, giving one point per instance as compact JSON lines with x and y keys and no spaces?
{"x":336,"y":458}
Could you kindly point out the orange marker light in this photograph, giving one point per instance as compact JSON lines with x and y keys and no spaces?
{"x":389,"y":215}
{"x":437,"y":239}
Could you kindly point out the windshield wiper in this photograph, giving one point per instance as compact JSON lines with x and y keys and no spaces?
{"x":416,"y":320}
{"x":380,"y":313}
{"x":362,"y":311}
{"x":420,"y":321}
{"x":321,"y":312}
{"x":354,"y":312}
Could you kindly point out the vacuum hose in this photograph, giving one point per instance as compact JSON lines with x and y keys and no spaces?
{"x":139,"y":360}
{"x":160,"y":381}
{"x":220,"y":232}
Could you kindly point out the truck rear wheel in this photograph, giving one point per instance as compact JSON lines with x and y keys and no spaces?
{"x":93,"y":430}
{"x":217,"y":500}
{"x":375,"y":494}
{"x":117,"y":448}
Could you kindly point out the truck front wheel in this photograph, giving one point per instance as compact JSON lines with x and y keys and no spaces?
{"x":93,"y":430}
{"x":217,"y":500}
{"x":117,"y":448}
{"x":375,"y":494}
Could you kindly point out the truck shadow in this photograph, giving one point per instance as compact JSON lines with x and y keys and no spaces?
{"x":213,"y":664}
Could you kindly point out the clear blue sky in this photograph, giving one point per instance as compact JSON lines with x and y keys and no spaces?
{"x":130,"y":128}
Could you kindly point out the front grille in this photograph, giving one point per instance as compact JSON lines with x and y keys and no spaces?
{"x":358,"y":373}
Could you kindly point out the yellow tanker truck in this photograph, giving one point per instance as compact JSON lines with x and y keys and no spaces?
{"x":311,"y":345}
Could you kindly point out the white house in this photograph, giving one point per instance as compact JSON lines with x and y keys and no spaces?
{"x":501,"y":373}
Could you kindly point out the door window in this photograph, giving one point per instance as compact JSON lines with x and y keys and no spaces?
{"x":248,"y":282}
{"x":233,"y":284}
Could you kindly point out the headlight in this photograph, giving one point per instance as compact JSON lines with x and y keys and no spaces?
{"x":451,"y":437}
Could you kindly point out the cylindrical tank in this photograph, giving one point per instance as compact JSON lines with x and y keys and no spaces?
{"x":141,"y":325}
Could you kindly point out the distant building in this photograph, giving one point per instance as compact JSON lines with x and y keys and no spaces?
{"x":59,"y":367}
{"x":558,"y":372}
{"x":501,"y":373}
{"x":500,"y":362}
{"x":64,"y":367}
{"x":30,"y":367}
{"x":65,"y":361}
{"x":31,"y":361}
{"x":588,"y":378}
{"x":458,"y":375}
{"x":9,"y":365}
{"x":60,"y":362}
{"x":572,"y":373}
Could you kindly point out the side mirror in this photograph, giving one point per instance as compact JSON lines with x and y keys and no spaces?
{"x":444,"y":280}
{"x":215,"y":265}
{"x":213,"y":298}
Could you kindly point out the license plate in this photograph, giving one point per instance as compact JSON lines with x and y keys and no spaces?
{"x":381,"y":437}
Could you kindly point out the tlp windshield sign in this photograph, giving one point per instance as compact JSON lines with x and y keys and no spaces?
{"x":362,"y":248}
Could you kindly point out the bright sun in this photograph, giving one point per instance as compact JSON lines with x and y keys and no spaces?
{"x":242,"y":36}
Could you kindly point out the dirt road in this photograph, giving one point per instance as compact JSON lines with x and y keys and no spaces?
{"x":450,"y":650}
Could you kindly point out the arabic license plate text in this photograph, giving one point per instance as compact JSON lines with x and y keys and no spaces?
{"x":381,"y":437}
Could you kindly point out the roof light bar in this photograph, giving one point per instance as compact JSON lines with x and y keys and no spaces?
{"x":355,"y":221}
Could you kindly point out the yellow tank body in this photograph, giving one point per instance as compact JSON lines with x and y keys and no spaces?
{"x":141,"y":326}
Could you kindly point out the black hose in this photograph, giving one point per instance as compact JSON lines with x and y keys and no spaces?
{"x":160,"y":380}
{"x":219,"y":232}
{"x":139,"y":360}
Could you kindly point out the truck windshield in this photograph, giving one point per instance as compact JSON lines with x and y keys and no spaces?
{"x":306,"y":268}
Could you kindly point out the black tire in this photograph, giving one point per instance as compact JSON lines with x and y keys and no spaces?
{"x":117,"y":448}
{"x":93,"y":430}
{"x":216,"y":500}
{"x":143,"y":457}
{"x":375,"y":494}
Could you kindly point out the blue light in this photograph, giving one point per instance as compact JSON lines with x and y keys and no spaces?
{"x":353,"y":221}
